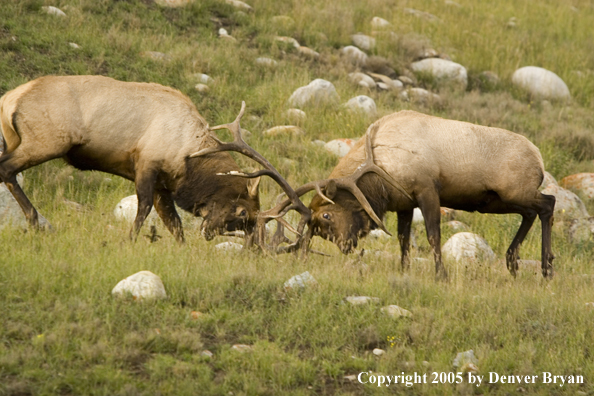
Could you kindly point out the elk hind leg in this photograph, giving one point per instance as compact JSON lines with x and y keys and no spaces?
{"x":512,"y":255}
{"x":404,"y":226}
{"x":165,"y":207}
{"x":545,"y":213}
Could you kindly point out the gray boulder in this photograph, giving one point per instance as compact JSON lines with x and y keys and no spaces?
{"x":541,"y":83}
{"x":443,"y":71}
{"x":317,"y":93}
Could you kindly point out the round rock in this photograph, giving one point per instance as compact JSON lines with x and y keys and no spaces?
{"x":127,"y":208}
{"x":443,"y":71}
{"x":291,"y":130}
{"x":362,"y":79}
{"x":363,"y":104}
{"x":142,"y":285}
{"x":580,"y":183}
{"x":541,"y":83}
{"x":354,"y":55}
{"x":340,"y":147}
{"x":296,"y":115}
{"x":466,"y":246}
{"x":379,"y":23}
{"x":363,"y":41}
{"x":319,"y":92}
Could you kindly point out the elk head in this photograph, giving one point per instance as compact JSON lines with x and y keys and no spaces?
{"x":242,"y":214}
{"x":340,"y":211}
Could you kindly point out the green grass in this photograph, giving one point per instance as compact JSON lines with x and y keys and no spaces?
{"x":63,"y":333}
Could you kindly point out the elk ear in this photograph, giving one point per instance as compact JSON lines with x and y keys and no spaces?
{"x":252,"y":186}
{"x":331,"y":189}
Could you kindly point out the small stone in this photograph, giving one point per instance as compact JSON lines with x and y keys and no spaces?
{"x":464,"y":358}
{"x":363,"y":41}
{"x":378,"y":234}
{"x":395,"y":311}
{"x":142,"y":285}
{"x":195,"y":314}
{"x":580,"y":183}
{"x":317,"y":93}
{"x":358,"y":77}
{"x":354,"y":55}
{"x":263,"y":61}
{"x":173,"y":3}
{"x":242,"y":348}
{"x":240,"y":5}
{"x":443,"y":71}
{"x":203,"y":88}
{"x":406,"y":80}
{"x":457,"y":225}
{"x":361,"y":300}
{"x":452,"y":3}
{"x":296,"y":115}
{"x":155,"y":55}
{"x":378,"y":352}
{"x":467,"y":247}
{"x":318,"y":143}
{"x":421,"y":14}
{"x":229,"y":246}
{"x":51,"y":10}
{"x":203,"y":78}
{"x":206,"y":353}
{"x":363,"y":104}
{"x":288,"y":40}
{"x":340,"y":147}
{"x":287,"y":130}
{"x":300,"y":281}
{"x":379,"y":23}
{"x":223,"y":31}
{"x":228,"y":38}
{"x":422,"y":96}
{"x":308,"y":52}
{"x":74,"y":45}
{"x":350,"y":378}
{"x":383,"y":86}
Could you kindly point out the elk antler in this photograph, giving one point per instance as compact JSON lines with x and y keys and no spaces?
{"x":349,"y":183}
{"x":240,"y":146}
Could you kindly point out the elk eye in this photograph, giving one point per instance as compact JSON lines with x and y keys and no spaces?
{"x":326,"y":216}
{"x":243,"y":213}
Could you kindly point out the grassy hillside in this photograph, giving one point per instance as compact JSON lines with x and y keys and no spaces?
{"x":62,"y":332}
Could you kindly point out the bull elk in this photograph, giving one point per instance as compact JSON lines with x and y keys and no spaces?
{"x":145,"y":132}
{"x":407,"y":160}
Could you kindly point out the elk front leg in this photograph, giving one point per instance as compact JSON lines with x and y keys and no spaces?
{"x":404,"y":226}
{"x":145,"y":187}
{"x":165,"y":207}
{"x":429,"y":205}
